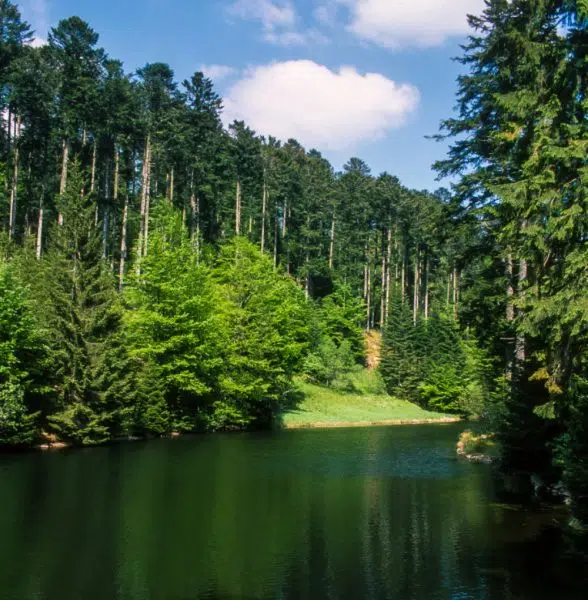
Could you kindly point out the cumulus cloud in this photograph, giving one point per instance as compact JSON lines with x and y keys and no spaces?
{"x":409,"y":23}
{"x":279,"y":21}
{"x":218,"y":72}
{"x":330,"y":110}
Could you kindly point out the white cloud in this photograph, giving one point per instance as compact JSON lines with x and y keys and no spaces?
{"x":218,"y":72}
{"x":279,"y":21}
{"x":330,"y":110}
{"x":272,"y":14}
{"x":37,"y":42}
{"x":409,"y":23}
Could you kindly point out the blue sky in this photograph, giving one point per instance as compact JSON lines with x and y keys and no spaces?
{"x":367,"y":78}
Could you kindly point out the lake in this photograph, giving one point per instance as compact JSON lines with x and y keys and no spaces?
{"x":383,"y":512}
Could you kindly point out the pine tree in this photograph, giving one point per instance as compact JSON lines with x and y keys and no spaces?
{"x":83,"y":315}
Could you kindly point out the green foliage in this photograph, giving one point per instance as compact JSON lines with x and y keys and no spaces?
{"x":268,"y":318}
{"x":341,"y":317}
{"x":18,"y":427}
{"x":573,"y":450}
{"x":328,"y":361}
{"x":174,"y":321}
{"x":431,"y":362}
{"x":22,"y":362}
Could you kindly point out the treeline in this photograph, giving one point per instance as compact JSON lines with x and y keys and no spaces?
{"x":519,"y":147}
{"x":161,"y":273}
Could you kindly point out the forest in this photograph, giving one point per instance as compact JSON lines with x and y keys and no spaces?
{"x":160,"y":272}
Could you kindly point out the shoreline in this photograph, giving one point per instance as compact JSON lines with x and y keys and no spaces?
{"x":383,"y":423}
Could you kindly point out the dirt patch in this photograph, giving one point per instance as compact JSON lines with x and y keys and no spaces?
{"x":373,"y":349}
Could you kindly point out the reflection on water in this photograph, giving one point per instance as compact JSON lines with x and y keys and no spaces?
{"x":359,"y":513}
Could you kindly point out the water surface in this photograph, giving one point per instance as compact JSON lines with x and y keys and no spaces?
{"x":349,"y":513}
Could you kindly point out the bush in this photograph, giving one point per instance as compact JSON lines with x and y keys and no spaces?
{"x":329,"y":361}
{"x":17,"y":426}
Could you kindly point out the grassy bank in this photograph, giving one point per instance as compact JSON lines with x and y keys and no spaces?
{"x":361,"y":402}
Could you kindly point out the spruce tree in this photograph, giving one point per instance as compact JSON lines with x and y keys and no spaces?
{"x":83,"y":316}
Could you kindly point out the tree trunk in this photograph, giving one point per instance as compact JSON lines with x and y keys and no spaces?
{"x":171,"y":186}
{"x":510,"y":309}
{"x":144,"y":210}
{"x":93,"y":172}
{"x":403,"y":274}
{"x":276,"y":238}
{"x":263,"y":212}
{"x":63,"y":180}
{"x":383,"y":283}
{"x":427,"y":292}
{"x":388,"y":274}
{"x":455,"y":293}
{"x":14,"y":186}
{"x":520,"y":349}
{"x":332,"y":243}
{"x":369,"y":295}
{"x":106,"y":215}
{"x":416,"y":290}
{"x":123,"y":244}
{"x":238,"y":209}
{"x":40,"y":230}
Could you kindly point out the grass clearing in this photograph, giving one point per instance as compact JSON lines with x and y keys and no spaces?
{"x":362,"y":403}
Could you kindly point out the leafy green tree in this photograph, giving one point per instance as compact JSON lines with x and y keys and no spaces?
{"x":23,"y":363}
{"x":268,"y":318}
{"x":175,"y":323}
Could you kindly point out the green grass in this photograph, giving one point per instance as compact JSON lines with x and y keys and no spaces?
{"x":366,"y":404}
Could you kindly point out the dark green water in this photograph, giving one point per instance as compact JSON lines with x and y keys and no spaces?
{"x":355,"y":513}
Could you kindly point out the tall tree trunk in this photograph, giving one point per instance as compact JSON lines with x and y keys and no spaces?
{"x":125,"y":219}
{"x":455,"y":293}
{"x":510,"y":311}
{"x":369,"y":295}
{"x":63,"y":179}
{"x":144,"y":210}
{"x":284,"y":219}
{"x":238,"y":208}
{"x":93,"y":171}
{"x":388,"y":273}
{"x":14,"y":185}
{"x":383,"y":282}
{"x":520,"y":345}
{"x":106,"y":215}
{"x":263,"y":213}
{"x":417,"y":283}
{"x":403,"y":274}
{"x":427,"y":291}
{"x":332,"y":243}
{"x":195,"y":222}
{"x":123,"y":243}
{"x":276,"y":238}
{"x":284,"y":234}
{"x":40,"y":228}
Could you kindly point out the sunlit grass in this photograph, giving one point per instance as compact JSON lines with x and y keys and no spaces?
{"x":366,"y":403}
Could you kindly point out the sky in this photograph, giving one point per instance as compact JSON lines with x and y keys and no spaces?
{"x":365,"y":78}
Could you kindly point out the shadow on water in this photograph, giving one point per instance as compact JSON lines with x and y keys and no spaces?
{"x":353,"y":513}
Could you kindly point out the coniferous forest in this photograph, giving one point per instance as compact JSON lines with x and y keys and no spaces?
{"x":160,"y":272}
